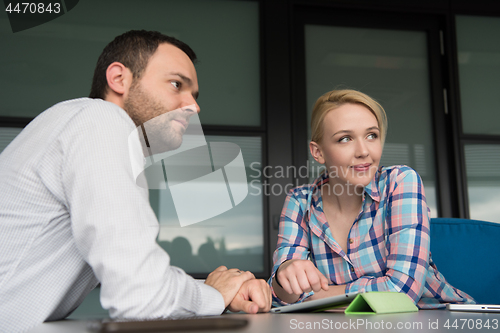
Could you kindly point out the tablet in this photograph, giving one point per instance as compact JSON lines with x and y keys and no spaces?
{"x":473,"y":307}
{"x":316,"y":305}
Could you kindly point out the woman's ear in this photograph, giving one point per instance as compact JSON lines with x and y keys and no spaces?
{"x":316,"y":152}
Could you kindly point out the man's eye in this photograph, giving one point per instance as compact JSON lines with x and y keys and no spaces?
{"x":176,"y":84}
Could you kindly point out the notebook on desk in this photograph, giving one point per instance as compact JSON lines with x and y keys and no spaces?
{"x":473,"y":307}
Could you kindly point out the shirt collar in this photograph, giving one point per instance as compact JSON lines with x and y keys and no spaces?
{"x":371,"y":189}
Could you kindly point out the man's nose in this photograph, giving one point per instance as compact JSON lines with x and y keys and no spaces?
{"x":189,"y":104}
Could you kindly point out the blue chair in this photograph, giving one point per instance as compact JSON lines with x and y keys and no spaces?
{"x":467,"y":253}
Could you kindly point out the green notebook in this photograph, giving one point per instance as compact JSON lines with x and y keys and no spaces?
{"x":378,"y":302}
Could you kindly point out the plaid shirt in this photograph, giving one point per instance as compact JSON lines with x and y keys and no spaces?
{"x":388,"y":244}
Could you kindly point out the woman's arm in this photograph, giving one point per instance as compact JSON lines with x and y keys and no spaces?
{"x":297,"y":275}
{"x":407,"y":239}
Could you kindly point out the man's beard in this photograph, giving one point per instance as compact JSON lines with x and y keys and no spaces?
{"x":154,"y":119}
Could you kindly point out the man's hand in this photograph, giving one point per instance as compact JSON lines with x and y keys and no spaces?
{"x":228,"y":281}
{"x":254,"y":296}
{"x":298,"y":276}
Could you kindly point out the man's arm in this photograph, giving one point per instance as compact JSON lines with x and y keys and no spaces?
{"x":115,"y":228}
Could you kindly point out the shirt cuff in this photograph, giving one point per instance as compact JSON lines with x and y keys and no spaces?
{"x":278,"y":302}
{"x":211,"y":300}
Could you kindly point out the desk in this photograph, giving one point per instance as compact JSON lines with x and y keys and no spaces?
{"x":422,"y":321}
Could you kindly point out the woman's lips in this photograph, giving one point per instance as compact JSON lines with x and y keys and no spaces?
{"x":362,"y":167}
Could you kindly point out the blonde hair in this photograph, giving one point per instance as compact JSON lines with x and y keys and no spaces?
{"x":336,"y":98}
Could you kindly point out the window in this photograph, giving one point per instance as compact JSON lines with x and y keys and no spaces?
{"x":479,"y":79}
{"x":225,"y":36}
{"x":234,"y":238}
{"x":390,"y":62}
{"x":390,"y":66}
{"x":483,"y":180}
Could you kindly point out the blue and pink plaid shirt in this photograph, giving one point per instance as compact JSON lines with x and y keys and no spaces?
{"x":388,"y":244}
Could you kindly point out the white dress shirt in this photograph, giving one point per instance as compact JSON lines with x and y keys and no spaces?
{"x":71,"y":216}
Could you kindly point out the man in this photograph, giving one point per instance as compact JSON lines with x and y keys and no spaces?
{"x":71,"y":214}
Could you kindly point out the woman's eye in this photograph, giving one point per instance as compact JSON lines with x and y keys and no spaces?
{"x":344,"y":139}
{"x":176,"y":84}
{"x":372,"y":136}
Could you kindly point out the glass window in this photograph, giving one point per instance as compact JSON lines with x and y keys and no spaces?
{"x":390,"y":66}
{"x":234,"y":238}
{"x":55,"y":61}
{"x":479,"y":73}
{"x":483,"y":181}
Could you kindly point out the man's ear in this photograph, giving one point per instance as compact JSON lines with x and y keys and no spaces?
{"x":119,"y":79}
{"x":316,"y":152}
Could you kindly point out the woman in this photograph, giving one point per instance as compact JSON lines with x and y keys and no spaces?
{"x":358,"y":227}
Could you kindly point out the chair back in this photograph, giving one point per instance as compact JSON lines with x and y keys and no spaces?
{"x":467,"y":253}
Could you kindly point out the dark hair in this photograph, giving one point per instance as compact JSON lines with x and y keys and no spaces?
{"x":132,"y":49}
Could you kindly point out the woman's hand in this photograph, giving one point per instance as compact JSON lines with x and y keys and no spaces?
{"x":297,"y":276}
{"x":334,"y":290}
